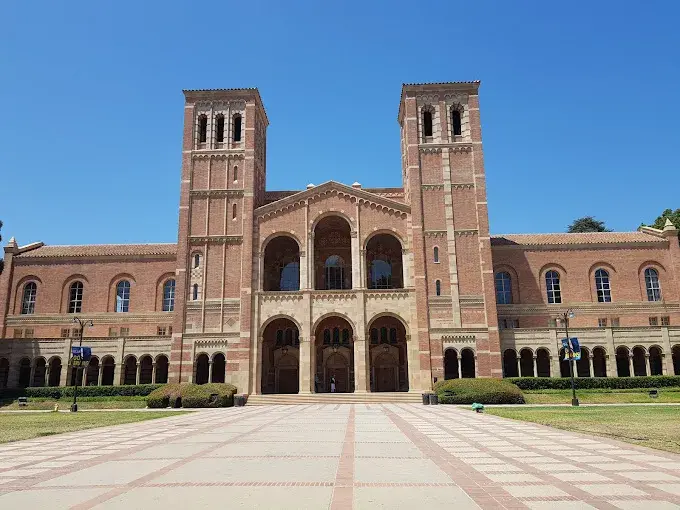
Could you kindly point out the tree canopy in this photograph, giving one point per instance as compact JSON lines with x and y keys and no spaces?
{"x":670,"y":214}
{"x":587,"y":224}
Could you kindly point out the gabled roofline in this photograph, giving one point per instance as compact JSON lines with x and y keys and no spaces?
{"x":329,"y":186}
{"x":408,"y":88}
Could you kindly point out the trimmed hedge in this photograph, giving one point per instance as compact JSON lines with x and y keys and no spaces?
{"x":192,"y":395}
{"x":483,"y":391}
{"x":57,"y":392}
{"x":584,"y":383}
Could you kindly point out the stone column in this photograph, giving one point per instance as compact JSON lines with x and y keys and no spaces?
{"x":667,"y":364}
{"x":460,"y":367}
{"x":519,"y":366}
{"x":31,"y":381}
{"x":311,"y":273}
{"x":360,"y":379}
{"x":476,"y":370}
{"x":535,"y":366}
{"x":153,"y":372}
{"x":630,"y":365}
{"x":210,"y":367}
{"x":591,"y":366}
{"x":648,"y":366}
{"x":356,"y":260}
{"x":257,"y":369}
{"x":611,"y":352}
{"x":305,"y":352}
{"x":99,"y":375}
{"x":47,"y":375}
{"x":138,"y":372}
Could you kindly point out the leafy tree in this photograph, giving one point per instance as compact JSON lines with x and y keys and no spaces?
{"x":587,"y":224}
{"x":670,"y":214}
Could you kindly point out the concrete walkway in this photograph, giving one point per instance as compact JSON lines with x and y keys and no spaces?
{"x":335,"y":456}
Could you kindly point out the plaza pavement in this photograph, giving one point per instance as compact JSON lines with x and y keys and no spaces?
{"x":335,"y":456}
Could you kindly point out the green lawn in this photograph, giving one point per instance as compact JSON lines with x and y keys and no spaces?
{"x":116,"y":402}
{"x":652,"y":426}
{"x":17,"y":426}
{"x":602,"y":396}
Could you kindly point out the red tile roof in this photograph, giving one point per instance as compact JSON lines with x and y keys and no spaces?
{"x":582,"y":238}
{"x":102,"y":250}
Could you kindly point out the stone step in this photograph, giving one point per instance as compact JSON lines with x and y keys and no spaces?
{"x":335,"y":398}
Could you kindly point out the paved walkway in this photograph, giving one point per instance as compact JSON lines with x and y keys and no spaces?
{"x":335,"y":456}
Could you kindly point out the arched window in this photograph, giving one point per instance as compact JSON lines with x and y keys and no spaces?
{"x":123,"y":296}
{"x":436,"y":253}
{"x":438,"y":287}
{"x":383,"y":335}
{"x":381,"y":274}
{"x":393,"y":335}
{"x":235,"y":173}
{"x":345,"y":336}
{"x":326,"y":336}
{"x":652,"y":284}
{"x":552,"y":284}
{"x":427,"y":122}
{"x":197,"y":260}
{"x":75,"y":297}
{"x":336,"y":335}
{"x":455,"y":122}
{"x":169,"y":296}
{"x":604,"y":290}
{"x":503,"y":288}
{"x":233,"y":212}
{"x":237,"y":127}
{"x":335,"y":272}
{"x":28,"y":300}
{"x":194,"y":292}
{"x":202,"y":128}
{"x":374,"y":335}
{"x":219,"y":128}
{"x":290,"y":277}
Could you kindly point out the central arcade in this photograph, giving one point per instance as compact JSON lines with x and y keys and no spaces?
{"x":329,"y":308}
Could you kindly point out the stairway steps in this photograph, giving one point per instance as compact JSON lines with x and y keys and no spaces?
{"x":334,"y":398}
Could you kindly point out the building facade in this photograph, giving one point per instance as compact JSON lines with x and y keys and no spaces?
{"x":374,"y":289}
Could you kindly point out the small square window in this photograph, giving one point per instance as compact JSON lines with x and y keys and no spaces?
{"x":160,"y":331}
{"x":515,"y":323}
{"x":28,"y":333}
{"x":75,"y":332}
{"x":124,"y":331}
{"x":65,"y":332}
{"x":169,"y":330}
{"x":18,"y":333}
{"x":113,"y":332}
{"x":665,"y":321}
{"x":653,"y":321}
{"x":615,"y":322}
{"x":553,"y":323}
{"x":602,"y":322}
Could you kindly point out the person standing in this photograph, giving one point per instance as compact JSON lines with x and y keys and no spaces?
{"x":332,"y":384}
{"x":317,"y":383}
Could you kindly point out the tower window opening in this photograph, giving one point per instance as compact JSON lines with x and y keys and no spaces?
{"x":237,"y":127}
{"x":455,"y":122}
{"x":427,"y":123}
{"x":219,"y":129}
{"x":202,"y":129}
{"x":233,"y":212}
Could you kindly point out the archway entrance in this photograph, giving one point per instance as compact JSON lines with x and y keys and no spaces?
{"x":387,"y":355}
{"x":334,"y":356}
{"x":281,"y":357}
{"x":332,"y":254}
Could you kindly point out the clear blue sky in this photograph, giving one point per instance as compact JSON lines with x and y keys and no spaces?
{"x":580,"y":103}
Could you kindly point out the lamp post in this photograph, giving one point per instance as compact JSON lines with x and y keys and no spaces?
{"x":82,"y":323}
{"x":569,"y":314}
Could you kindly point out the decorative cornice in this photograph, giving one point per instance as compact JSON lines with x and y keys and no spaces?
{"x":463,"y":337}
{"x":390,"y":294}
{"x":427,"y":149}
{"x":586,"y":308}
{"x":216,"y":193}
{"x":97,"y":317}
{"x":434,"y":233}
{"x":218,"y":154}
{"x":331,"y":296}
{"x":467,"y":232}
{"x":462,"y":185}
{"x":215,"y":239}
{"x":440,"y":301}
{"x":471,"y":301}
{"x":230,"y":306}
{"x":432,"y":187}
{"x":432,"y":148}
{"x":280,"y":296}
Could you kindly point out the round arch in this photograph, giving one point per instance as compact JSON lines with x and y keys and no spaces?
{"x":280,"y":359}
{"x":333,"y":314}
{"x":323,"y":215}
{"x":393,"y":316}
{"x":451,"y":363}
{"x":385,"y":231}
{"x":66,"y":288}
{"x":279,"y":233}
{"x":552,"y":266}
{"x":333,"y":353}
{"x":19,"y":291}
{"x":277,"y":317}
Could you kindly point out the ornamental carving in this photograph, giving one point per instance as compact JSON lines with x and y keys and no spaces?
{"x":462,"y":185}
{"x":216,"y":193}
{"x":215,"y":239}
{"x":432,"y":187}
{"x":435,"y":233}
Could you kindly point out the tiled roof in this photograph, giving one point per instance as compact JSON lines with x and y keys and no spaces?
{"x":102,"y":250}
{"x":583,"y":238}
{"x":444,"y":83}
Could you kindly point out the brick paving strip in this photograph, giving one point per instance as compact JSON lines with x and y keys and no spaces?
{"x":343,"y":492}
{"x":611,"y":482}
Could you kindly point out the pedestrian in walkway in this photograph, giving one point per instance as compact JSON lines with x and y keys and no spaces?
{"x":317,"y":383}
{"x":332,"y":384}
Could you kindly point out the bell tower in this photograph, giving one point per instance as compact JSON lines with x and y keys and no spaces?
{"x":444,"y":180}
{"x":223,"y":181}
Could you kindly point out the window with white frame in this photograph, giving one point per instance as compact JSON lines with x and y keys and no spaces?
{"x":652,"y":284}
{"x":75,"y":297}
{"x":28,"y":300}
{"x":665,"y":320}
{"x":123,"y":296}
{"x":503,"y":288}
{"x":552,"y":284}
{"x":169,"y":296}
{"x":602,"y":322}
{"x":604,"y":290}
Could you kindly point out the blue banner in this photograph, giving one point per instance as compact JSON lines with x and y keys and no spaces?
{"x":84,"y":353}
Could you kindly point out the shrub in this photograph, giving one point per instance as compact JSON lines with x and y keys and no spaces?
{"x":484,"y":391}
{"x":584,"y":383}
{"x":193,"y":395}
{"x":57,"y":392}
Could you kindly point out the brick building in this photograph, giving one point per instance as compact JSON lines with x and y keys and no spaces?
{"x":381,"y":289}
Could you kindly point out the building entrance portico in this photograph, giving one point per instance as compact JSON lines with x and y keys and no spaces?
{"x":333,"y":355}
{"x":280,"y":357}
{"x":388,"y":368}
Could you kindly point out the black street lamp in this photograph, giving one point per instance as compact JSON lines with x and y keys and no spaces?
{"x":569,"y":314}
{"x":82,"y":323}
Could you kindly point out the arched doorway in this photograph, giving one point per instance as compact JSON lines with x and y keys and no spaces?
{"x":202,"y":369}
{"x":388,"y":355}
{"x":39,"y":372}
{"x":218,"y":369}
{"x":526,"y":361}
{"x":655,"y":363}
{"x":639,"y":362}
{"x":622,"y":362}
{"x":55,"y":372}
{"x":161,"y":369}
{"x":281,"y":357}
{"x":676,"y":361}
{"x":583,"y":365}
{"x":384,"y":268}
{"x":542,"y":362}
{"x":92,"y":372}
{"x":510,"y":363}
{"x":4,"y":372}
{"x":108,"y":370}
{"x":565,"y":369}
{"x":334,"y":355}
{"x":467,"y":363}
{"x":451,"y":364}
{"x":599,"y":362}
{"x":130,"y":370}
{"x":281,"y":265}
{"x":145,"y":370}
{"x":24,"y":373}
{"x":332,"y":254}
